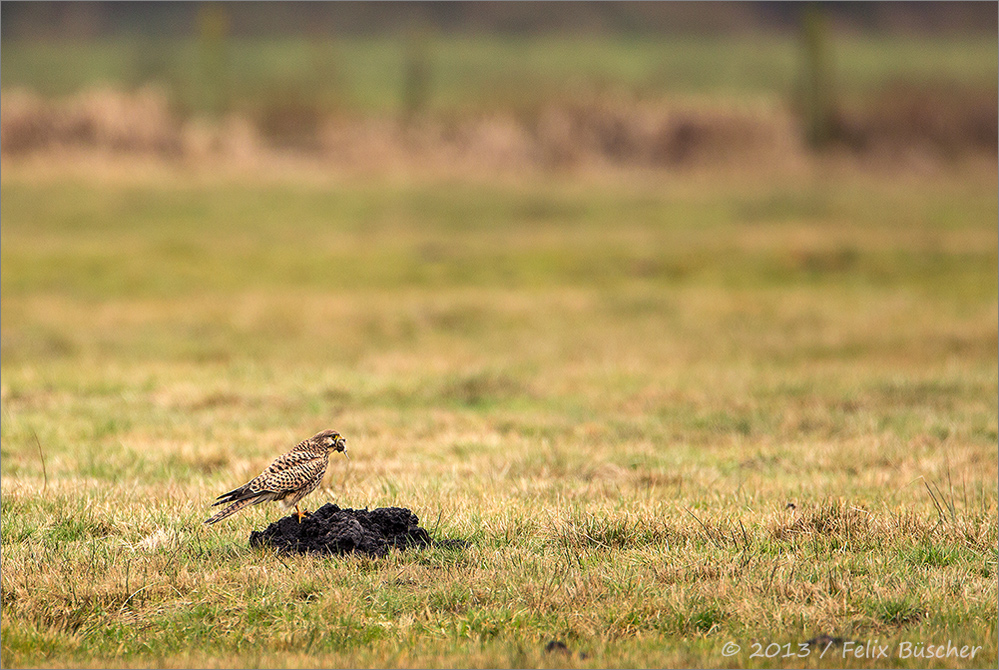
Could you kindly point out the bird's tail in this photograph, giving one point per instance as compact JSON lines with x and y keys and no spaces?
{"x":232,"y":509}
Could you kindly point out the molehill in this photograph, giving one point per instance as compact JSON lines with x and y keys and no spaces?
{"x":332,"y":531}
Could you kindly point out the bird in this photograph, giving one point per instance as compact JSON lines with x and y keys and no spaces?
{"x":288,"y":479}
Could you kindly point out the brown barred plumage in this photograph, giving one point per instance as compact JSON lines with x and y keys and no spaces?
{"x":288,"y":479}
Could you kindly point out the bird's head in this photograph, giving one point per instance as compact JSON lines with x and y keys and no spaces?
{"x":330,"y":440}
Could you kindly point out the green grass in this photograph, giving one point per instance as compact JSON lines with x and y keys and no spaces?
{"x":667,"y":415}
{"x":367,"y":74}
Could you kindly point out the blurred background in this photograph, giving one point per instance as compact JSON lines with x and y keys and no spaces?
{"x":501,"y":85}
{"x":634,"y":225}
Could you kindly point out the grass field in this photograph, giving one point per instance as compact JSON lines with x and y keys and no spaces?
{"x":667,"y":415}
{"x":367,"y":74}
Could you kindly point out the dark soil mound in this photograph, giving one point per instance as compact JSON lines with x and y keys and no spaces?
{"x":331,"y":530}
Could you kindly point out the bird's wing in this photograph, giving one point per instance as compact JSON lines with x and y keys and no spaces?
{"x":289,"y":473}
{"x":278,"y":477}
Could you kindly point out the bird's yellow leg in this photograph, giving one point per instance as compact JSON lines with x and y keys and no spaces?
{"x":299,"y":513}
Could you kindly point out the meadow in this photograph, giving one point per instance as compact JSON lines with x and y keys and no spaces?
{"x":368,"y":75}
{"x":666,"y":413}
{"x":670,"y":411}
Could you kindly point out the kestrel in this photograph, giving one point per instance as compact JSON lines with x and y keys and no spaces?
{"x":289,"y":478}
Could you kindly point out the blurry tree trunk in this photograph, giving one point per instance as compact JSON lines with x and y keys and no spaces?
{"x":213,"y":27}
{"x":416,"y":75}
{"x":325,"y":77}
{"x":818,"y":98}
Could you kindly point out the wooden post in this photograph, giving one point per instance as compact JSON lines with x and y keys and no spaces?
{"x":816,"y":84}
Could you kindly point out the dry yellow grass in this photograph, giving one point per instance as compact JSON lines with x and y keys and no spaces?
{"x":666,"y":414}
